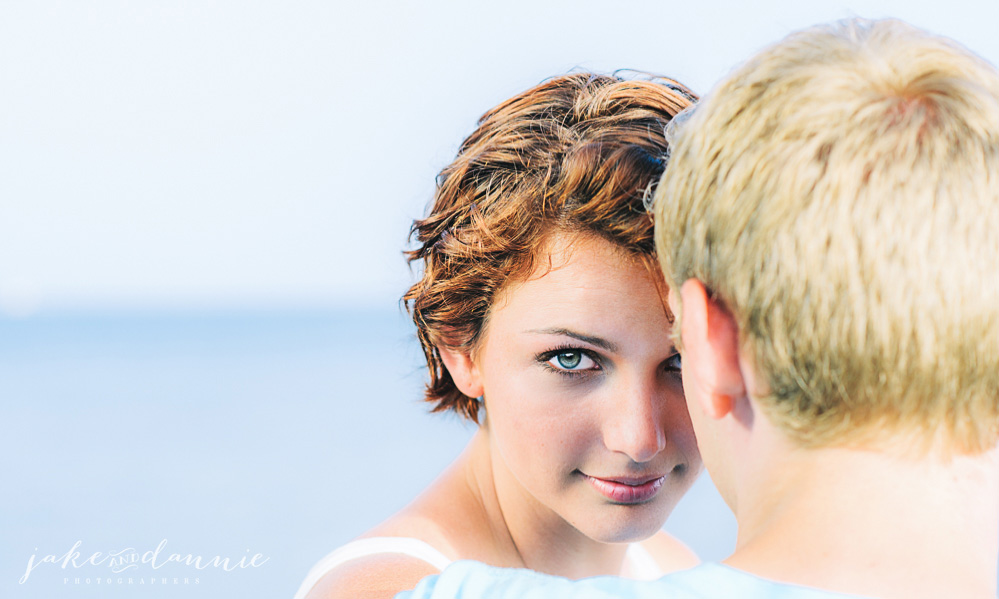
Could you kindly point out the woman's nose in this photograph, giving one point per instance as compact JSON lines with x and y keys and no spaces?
{"x":634,"y":425}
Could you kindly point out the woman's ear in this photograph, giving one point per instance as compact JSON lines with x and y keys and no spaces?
{"x":463,"y":371}
{"x":711,"y":347}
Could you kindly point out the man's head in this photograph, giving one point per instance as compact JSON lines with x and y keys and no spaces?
{"x":838,"y":198}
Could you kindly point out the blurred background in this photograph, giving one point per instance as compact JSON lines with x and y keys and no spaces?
{"x":202,"y":211}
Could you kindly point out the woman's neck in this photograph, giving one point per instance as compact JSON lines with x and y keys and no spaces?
{"x":523,"y":532}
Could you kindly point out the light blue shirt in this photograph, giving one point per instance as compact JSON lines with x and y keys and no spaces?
{"x":473,"y":580}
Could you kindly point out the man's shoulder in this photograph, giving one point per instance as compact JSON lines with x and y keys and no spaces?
{"x":464,"y":580}
{"x":712,"y":580}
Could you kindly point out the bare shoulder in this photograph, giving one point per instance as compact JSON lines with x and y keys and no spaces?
{"x":373,"y":577}
{"x":669,"y":552}
{"x":427,"y":520}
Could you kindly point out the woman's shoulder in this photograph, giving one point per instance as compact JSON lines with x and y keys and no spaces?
{"x":438,"y":527}
{"x":392,"y":557}
{"x":669,"y":553}
{"x":372,"y":576}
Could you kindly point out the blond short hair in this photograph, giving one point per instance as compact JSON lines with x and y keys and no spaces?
{"x":839,"y":194}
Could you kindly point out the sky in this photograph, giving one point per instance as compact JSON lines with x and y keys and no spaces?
{"x":222,"y":154}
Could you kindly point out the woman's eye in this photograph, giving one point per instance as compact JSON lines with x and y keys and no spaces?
{"x":572,"y":360}
{"x":674,"y":363}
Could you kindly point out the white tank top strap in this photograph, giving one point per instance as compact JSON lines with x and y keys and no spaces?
{"x":641,"y":564}
{"x":372,"y":546}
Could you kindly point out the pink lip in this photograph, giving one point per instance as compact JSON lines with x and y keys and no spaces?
{"x":626,"y":489}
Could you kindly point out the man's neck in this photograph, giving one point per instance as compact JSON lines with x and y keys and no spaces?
{"x":871,"y":523}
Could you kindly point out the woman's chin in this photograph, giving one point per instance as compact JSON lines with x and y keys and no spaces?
{"x":627,"y":528}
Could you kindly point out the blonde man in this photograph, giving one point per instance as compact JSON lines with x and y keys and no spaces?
{"x":829,"y":228}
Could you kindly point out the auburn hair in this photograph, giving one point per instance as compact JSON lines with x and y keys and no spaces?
{"x":578,"y":153}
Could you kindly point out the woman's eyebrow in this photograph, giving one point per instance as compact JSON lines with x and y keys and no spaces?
{"x":599,"y":342}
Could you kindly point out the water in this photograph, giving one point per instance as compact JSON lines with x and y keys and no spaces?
{"x":220,"y":435}
{"x":225,"y":435}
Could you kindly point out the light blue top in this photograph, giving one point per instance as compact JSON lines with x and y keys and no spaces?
{"x":473,"y":580}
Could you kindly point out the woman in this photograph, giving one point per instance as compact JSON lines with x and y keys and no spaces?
{"x":542,"y":316}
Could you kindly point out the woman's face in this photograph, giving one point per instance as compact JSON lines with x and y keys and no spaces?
{"x":584,"y":404}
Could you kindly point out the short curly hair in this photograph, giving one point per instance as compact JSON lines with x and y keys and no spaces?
{"x":577,"y":153}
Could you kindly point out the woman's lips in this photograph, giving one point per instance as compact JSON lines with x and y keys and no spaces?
{"x":627,"y":489}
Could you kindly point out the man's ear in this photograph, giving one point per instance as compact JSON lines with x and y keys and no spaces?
{"x":463,"y":370}
{"x":711,"y":350}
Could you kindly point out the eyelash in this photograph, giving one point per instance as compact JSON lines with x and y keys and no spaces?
{"x":545,"y":357}
{"x":677,"y":357}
